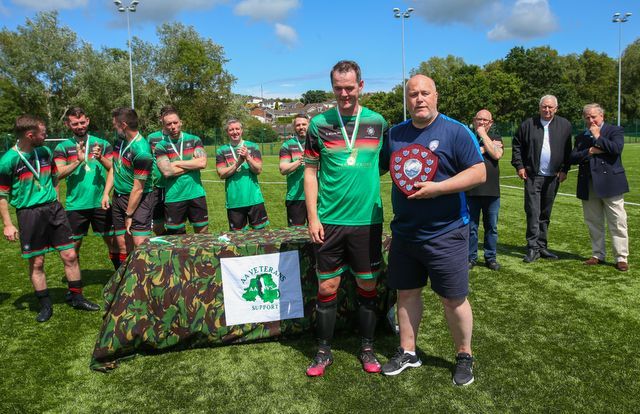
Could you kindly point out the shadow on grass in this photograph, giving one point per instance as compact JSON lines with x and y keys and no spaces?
{"x":4,"y":296}
{"x":29,"y":300}
{"x":520,"y":251}
{"x":57,"y":294}
{"x":349,"y":342}
{"x":96,"y":277}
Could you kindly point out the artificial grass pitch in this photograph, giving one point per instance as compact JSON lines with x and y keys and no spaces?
{"x":550,"y":336}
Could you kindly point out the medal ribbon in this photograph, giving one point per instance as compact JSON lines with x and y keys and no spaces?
{"x":181,"y":139}
{"x":36,"y":171}
{"x":349,"y":143}
{"x":86,"y":150}
{"x":233,"y":152}
{"x":126,"y":148}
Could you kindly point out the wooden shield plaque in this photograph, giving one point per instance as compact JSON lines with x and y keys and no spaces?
{"x":411,"y":165}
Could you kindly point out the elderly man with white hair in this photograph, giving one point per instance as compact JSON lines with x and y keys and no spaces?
{"x":541,"y":150}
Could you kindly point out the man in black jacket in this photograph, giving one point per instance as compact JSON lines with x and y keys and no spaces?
{"x":601,"y":185}
{"x":541,"y":150}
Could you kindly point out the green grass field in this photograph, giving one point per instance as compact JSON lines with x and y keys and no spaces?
{"x":551,"y":336}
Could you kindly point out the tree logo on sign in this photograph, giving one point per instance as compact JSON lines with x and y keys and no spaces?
{"x":261,"y":286}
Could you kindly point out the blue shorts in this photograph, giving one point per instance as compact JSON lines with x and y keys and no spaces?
{"x":443,"y":260}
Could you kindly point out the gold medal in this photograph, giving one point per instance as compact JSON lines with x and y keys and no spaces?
{"x":351,"y":161}
{"x":349,"y":142}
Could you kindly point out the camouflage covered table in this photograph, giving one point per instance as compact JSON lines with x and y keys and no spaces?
{"x":169,"y":296}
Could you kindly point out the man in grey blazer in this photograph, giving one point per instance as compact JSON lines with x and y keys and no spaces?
{"x":601,"y":185}
{"x":541,"y":149}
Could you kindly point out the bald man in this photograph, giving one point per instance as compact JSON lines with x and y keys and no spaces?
{"x":432,"y":246}
{"x":485,"y":198}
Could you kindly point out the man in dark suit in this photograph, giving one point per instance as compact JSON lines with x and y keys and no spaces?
{"x":541,"y":150}
{"x":601,"y":185}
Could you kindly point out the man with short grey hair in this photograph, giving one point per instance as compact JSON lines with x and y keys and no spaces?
{"x":601,"y":185}
{"x":239,"y":163}
{"x":541,"y":149}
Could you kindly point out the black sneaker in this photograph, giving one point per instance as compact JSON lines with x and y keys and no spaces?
{"x":321,"y":361}
{"x":80,"y":302}
{"x":399,"y":362}
{"x":472,"y":264}
{"x":45,"y":314}
{"x":463,"y":374}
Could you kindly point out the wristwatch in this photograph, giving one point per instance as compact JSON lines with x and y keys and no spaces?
{"x":127,"y":215}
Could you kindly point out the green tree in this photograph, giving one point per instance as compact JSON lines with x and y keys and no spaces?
{"x":504,"y":91}
{"x":191,"y":69}
{"x":315,"y":96}
{"x":387,"y":104}
{"x":9,"y":96}
{"x":630,"y":84}
{"x":541,"y":72}
{"x":256,"y":131}
{"x":101,"y":84}
{"x":40,"y":59}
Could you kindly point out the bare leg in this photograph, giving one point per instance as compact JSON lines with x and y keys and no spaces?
{"x":460,"y":320}
{"x":36,"y":272}
{"x":201,"y":230}
{"x":138,"y":240}
{"x":409,"y":317}
{"x":71,"y":266}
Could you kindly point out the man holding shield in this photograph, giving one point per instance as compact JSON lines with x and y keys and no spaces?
{"x":430,"y":226}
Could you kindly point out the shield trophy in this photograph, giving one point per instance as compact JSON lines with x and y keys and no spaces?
{"x":411,"y":165}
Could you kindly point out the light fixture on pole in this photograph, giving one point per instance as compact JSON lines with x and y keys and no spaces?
{"x":131,"y":8}
{"x":618,"y":18}
{"x":403,"y":15}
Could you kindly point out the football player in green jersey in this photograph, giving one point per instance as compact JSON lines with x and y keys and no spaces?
{"x":27,"y":175}
{"x":85,"y":161}
{"x":180,"y":157}
{"x":133,"y":199}
{"x":292,"y":166}
{"x":342,"y":192}
{"x":238,"y":164}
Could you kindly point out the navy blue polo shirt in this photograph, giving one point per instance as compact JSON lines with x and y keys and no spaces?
{"x":457,"y":149}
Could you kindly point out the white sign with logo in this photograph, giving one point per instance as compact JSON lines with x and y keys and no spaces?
{"x":261,"y":288}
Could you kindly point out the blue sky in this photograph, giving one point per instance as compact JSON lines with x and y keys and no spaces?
{"x":289,"y":46}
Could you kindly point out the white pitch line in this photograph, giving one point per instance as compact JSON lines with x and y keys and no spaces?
{"x":389,"y":182}
{"x":271,"y":182}
{"x":516,"y":176}
{"x":567,"y":195}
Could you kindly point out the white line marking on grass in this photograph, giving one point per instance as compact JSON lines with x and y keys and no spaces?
{"x":567,"y":195}
{"x":272,"y":182}
{"x":390,"y":182}
{"x":516,"y":176}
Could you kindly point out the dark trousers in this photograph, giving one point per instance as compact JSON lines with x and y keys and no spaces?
{"x":539,"y":194}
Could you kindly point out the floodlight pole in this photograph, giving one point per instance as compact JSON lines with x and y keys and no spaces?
{"x":618,"y":18}
{"x":402,"y":16}
{"x":131,"y":8}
